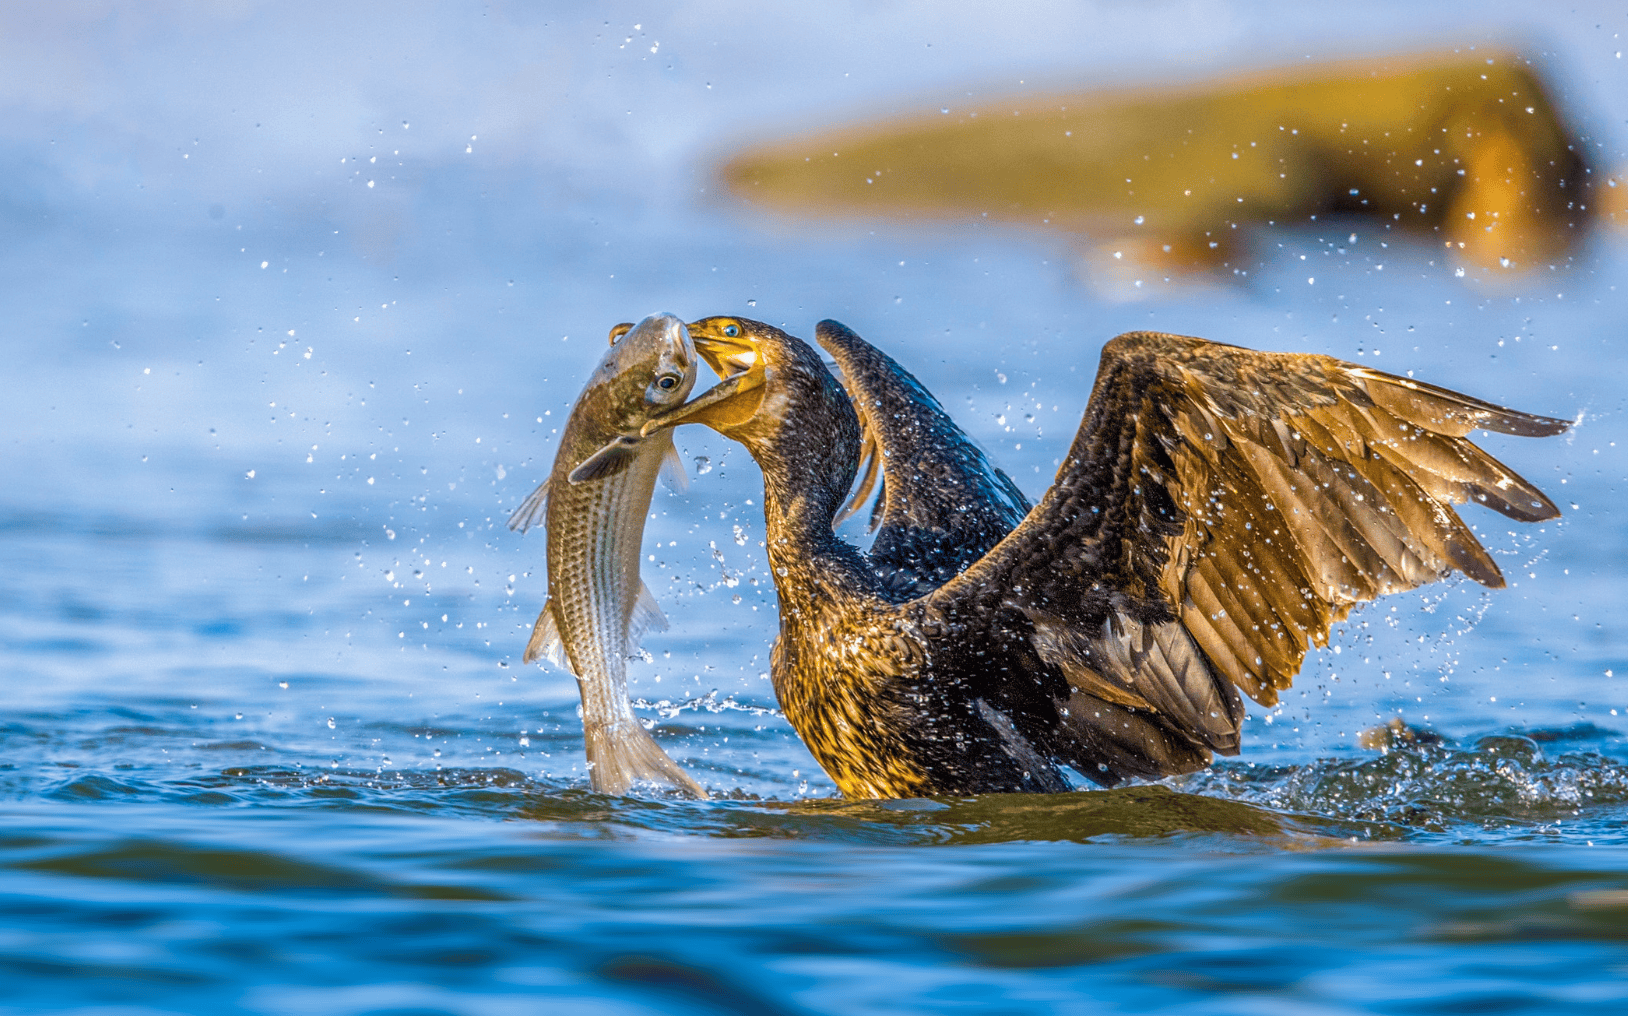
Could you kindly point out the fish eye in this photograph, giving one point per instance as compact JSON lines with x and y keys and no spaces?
{"x":667,"y":382}
{"x":732,"y":330}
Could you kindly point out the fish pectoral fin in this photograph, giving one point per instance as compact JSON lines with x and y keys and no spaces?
{"x":647,"y":615}
{"x":532,"y":510}
{"x":616,"y":456}
{"x":672,"y":468}
{"x":546,"y":642}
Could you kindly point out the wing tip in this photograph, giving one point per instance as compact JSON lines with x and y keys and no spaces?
{"x":831,"y":330}
{"x":1469,"y":411}
{"x":1540,"y":426}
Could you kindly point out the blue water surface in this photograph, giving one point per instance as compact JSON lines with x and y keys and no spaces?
{"x":296,"y":298}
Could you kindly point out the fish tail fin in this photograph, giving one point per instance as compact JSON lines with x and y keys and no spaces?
{"x":545,"y":640}
{"x":622,"y":752}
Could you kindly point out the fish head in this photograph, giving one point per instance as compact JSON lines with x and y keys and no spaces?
{"x":767,"y":375}
{"x":649,"y":368}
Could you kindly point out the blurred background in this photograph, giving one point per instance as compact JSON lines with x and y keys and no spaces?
{"x":297,"y":295}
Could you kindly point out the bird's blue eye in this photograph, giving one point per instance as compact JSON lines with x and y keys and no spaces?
{"x":732,"y":330}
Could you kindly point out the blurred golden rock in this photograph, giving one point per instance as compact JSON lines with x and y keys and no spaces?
{"x":1466,"y":150}
{"x":1394,"y":734}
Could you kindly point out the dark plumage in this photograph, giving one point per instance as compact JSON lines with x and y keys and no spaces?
{"x":1218,"y":511}
{"x":942,"y":505}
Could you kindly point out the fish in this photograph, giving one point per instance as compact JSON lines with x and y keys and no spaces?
{"x":594,"y":504}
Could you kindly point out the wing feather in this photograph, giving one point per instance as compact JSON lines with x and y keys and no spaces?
{"x":1196,"y":616}
{"x":1227,"y":616}
{"x":1449,"y":412}
{"x":942,"y":503}
{"x":1219,"y":510}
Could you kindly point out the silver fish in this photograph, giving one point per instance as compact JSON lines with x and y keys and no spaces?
{"x":595,"y":502}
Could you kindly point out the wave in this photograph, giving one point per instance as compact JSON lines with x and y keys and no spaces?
{"x":1505,"y":785}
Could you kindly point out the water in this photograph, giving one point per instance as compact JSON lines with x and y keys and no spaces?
{"x":265,"y":742}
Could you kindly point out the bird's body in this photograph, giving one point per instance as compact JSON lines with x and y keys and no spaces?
{"x":1219,"y":509}
{"x":886,"y":696}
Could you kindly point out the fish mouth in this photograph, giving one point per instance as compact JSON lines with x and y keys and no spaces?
{"x":662,"y":331}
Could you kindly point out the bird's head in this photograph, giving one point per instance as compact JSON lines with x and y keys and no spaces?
{"x":771,"y":380}
{"x":778,"y":399}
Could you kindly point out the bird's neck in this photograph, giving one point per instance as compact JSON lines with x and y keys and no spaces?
{"x":808,"y":466}
{"x":801,"y":496}
{"x":818,"y":577}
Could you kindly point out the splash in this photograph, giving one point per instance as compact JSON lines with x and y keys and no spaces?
{"x":1521,"y":784}
{"x":710,"y":702}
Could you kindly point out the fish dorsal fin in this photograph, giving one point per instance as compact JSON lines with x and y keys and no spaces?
{"x":545,"y":640}
{"x":532,"y":510}
{"x":616,"y":456}
{"x":647,"y":616}
{"x":672,"y":467}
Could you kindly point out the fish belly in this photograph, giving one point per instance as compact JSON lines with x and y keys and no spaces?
{"x":595,"y":530}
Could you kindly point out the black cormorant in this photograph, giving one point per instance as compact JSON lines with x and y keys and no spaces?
{"x":1218,"y":511}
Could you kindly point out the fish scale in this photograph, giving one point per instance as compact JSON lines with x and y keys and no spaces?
{"x":595,"y":557}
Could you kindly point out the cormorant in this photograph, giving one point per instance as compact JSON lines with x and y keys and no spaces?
{"x":1218,"y":511}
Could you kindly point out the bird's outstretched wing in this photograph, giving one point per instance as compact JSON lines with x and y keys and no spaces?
{"x":1219,"y":509}
{"x":943,"y":504}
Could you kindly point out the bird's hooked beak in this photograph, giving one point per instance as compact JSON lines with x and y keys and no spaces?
{"x":733,"y":401}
